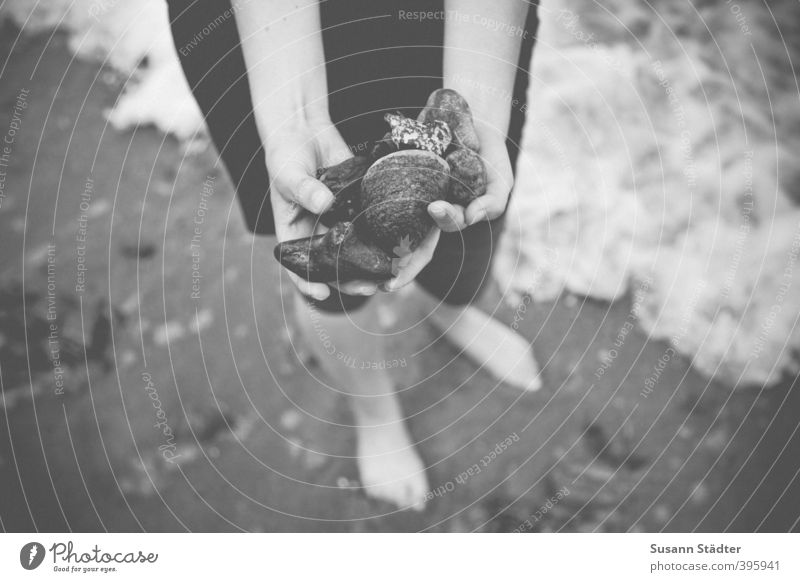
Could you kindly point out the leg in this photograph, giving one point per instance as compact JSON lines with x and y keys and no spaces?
{"x":492,"y":345}
{"x":217,"y":76}
{"x":456,"y":275}
{"x":388,"y":463}
{"x":449,"y":284}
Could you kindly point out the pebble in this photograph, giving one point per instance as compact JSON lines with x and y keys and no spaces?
{"x":717,"y":440}
{"x":700,"y":493}
{"x":202,"y":320}
{"x":162,"y":188}
{"x":109,"y":78}
{"x":170,"y":331}
{"x":295,"y":447}
{"x":662,"y":513}
{"x":570,"y":300}
{"x":98,"y":208}
{"x":290,"y":419}
{"x":231,"y":274}
{"x":314,"y":460}
{"x":599,"y":472}
{"x":244,"y":426}
{"x":127,"y":358}
{"x":131,"y":304}
{"x":38,"y":254}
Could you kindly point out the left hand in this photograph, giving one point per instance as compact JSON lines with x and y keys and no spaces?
{"x":452,"y":217}
{"x":499,"y":180}
{"x":407,"y":267}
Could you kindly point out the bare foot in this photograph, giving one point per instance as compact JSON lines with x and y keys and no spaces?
{"x":492,"y":345}
{"x":391,"y":469}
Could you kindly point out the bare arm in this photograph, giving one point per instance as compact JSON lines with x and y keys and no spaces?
{"x":282,"y":46}
{"x":482,"y":45}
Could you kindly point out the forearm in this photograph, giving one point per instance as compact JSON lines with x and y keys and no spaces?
{"x":480,"y":59}
{"x":282,"y":46}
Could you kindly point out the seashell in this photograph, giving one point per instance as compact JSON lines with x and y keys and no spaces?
{"x":467,"y":176}
{"x":344,"y":181}
{"x":451,"y":108}
{"x":337,"y":255}
{"x":396,"y":191}
{"x":380,"y":210}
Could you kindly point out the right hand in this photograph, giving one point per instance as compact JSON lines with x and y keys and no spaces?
{"x":293,"y":155}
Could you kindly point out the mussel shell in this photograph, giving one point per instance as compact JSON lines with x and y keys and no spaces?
{"x":396,"y":192}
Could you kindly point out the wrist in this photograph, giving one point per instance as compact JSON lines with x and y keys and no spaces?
{"x":490,"y":105}
{"x":290,"y":113}
{"x":283,"y":52}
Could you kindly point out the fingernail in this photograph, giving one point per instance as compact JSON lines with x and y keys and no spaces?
{"x":478,"y":217}
{"x":319,"y":295}
{"x":368,"y":290}
{"x":321,"y":200}
{"x":395,"y":286}
{"x":438,"y":211}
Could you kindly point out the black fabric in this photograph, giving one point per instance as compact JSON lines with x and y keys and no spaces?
{"x":376,"y":61}
{"x":207,"y":40}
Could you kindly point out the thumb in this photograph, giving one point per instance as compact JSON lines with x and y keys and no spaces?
{"x":295,"y":185}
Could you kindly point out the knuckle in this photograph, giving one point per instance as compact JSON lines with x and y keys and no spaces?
{"x":493,"y":213}
{"x":301,"y":188}
{"x":495,"y":204}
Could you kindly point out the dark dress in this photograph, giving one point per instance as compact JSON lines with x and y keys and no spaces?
{"x":376,"y":62}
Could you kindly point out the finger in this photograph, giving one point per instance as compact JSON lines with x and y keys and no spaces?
{"x":293,"y":222}
{"x":318,"y":291}
{"x":412,"y":264}
{"x":448,"y":217}
{"x":489,"y":206}
{"x":292,"y":230}
{"x":364,"y":288}
{"x":499,"y":180}
{"x":295,"y":185}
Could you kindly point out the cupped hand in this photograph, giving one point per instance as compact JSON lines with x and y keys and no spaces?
{"x":406,"y":268}
{"x":499,"y":180}
{"x":453,"y":217}
{"x":293,"y":156}
{"x":298,"y":199}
